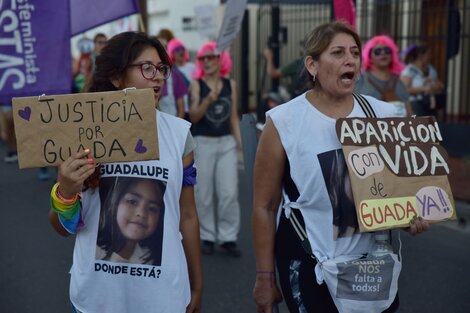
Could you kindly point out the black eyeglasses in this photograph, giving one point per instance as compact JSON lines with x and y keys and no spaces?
{"x":149,"y":70}
{"x":378,"y":51}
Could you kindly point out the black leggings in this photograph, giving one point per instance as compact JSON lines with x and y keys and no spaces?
{"x":296,"y":271}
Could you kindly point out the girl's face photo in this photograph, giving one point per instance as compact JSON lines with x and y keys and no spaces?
{"x":139,"y":210}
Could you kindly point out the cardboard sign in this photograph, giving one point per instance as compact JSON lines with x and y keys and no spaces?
{"x":115,"y":126}
{"x":398,"y":170}
{"x":231,"y":23}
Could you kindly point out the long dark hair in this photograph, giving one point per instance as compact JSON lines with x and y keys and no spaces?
{"x":120,"y":51}
{"x":110,"y":237}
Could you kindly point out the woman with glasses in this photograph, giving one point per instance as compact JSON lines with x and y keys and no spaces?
{"x":216,"y":130}
{"x":122,"y":283}
{"x":380,"y":77}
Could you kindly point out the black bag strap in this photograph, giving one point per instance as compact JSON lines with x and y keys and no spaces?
{"x":296,"y":225}
{"x":365,"y":105}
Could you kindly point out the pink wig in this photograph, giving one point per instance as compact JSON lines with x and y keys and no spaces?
{"x":395,"y":65}
{"x":225,"y":61}
{"x":172,"y":45}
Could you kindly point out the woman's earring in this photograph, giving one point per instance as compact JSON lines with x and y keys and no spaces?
{"x":314,"y":77}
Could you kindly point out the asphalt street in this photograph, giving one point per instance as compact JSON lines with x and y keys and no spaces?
{"x":35,"y":261}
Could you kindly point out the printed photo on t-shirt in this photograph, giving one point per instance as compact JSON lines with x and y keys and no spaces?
{"x":131,"y":220}
{"x":338,"y":184}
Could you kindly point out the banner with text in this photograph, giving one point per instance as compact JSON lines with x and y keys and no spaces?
{"x":115,"y":126}
{"x":35,"y":55}
{"x":398,"y":170}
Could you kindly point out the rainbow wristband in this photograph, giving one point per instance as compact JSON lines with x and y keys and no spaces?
{"x":66,"y":214}
{"x":59,"y":202}
{"x":71,"y":225}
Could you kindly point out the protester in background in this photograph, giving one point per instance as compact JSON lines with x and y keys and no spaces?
{"x":164,"y":36}
{"x":175,"y":89}
{"x":133,"y":60}
{"x":174,"y":92}
{"x":216,"y":130}
{"x":8,"y":133}
{"x":298,"y":138}
{"x":180,"y":58}
{"x":420,"y":79}
{"x":380,"y":78}
{"x":290,"y":73}
{"x":99,"y":41}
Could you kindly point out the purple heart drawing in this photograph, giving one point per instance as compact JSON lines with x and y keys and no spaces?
{"x":25,"y":113}
{"x":139,"y":147}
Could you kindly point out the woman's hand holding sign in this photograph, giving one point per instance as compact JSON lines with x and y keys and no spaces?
{"x":73,"y":172}
{"x":417,"y":226}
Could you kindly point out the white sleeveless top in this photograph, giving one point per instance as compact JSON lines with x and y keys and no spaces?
{"x":310,"y":142}
{"x":139,"y":283}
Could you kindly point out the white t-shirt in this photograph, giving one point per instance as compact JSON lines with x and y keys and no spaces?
{"x":312,"y":147}
{"x":417,"y":77}
{"x":115,"y":284}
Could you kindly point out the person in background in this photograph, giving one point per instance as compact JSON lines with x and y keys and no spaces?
{"x":99,"y":41}
{"x":381,"y":74}
{"x":174,"y":92}
{"x":421,"y":80}
{"x":175,"y":88}
{"x":8,"y":133}
{"x":291,"y":74}
{"x":297,"y":147}
{"x":216,"y":130}
{"x":132,"y":59}
{"x":180,"y":58}
{"x":164,"y":36}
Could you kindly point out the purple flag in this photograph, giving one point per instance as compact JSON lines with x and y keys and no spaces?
{"x":35,"y":55}
{"x":86,"y":14}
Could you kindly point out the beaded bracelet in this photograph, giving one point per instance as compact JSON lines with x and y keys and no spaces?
{"x":61,"y":198}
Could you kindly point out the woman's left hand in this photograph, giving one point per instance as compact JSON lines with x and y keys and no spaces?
{"x":417,"y":226}
{"x":194,"y":305}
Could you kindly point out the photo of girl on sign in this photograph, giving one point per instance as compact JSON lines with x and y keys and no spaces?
{"x":338,"y":184}
{"x":131,"y":220}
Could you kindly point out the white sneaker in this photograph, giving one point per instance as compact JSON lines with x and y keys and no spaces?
{"x":11,"y":157}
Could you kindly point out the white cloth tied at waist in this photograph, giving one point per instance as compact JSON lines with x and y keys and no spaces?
{"x":322,"y":261}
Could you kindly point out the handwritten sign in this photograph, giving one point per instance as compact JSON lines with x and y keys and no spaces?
{"x":115,"y":126}
{"x":398,"y":170}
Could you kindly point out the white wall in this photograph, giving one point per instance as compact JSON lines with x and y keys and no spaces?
{"x":130,"y":23}
{"x":170,"y":13}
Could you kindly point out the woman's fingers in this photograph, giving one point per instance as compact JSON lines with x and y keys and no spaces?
{"x":74,"y":171}
{"x":418,"y":225}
